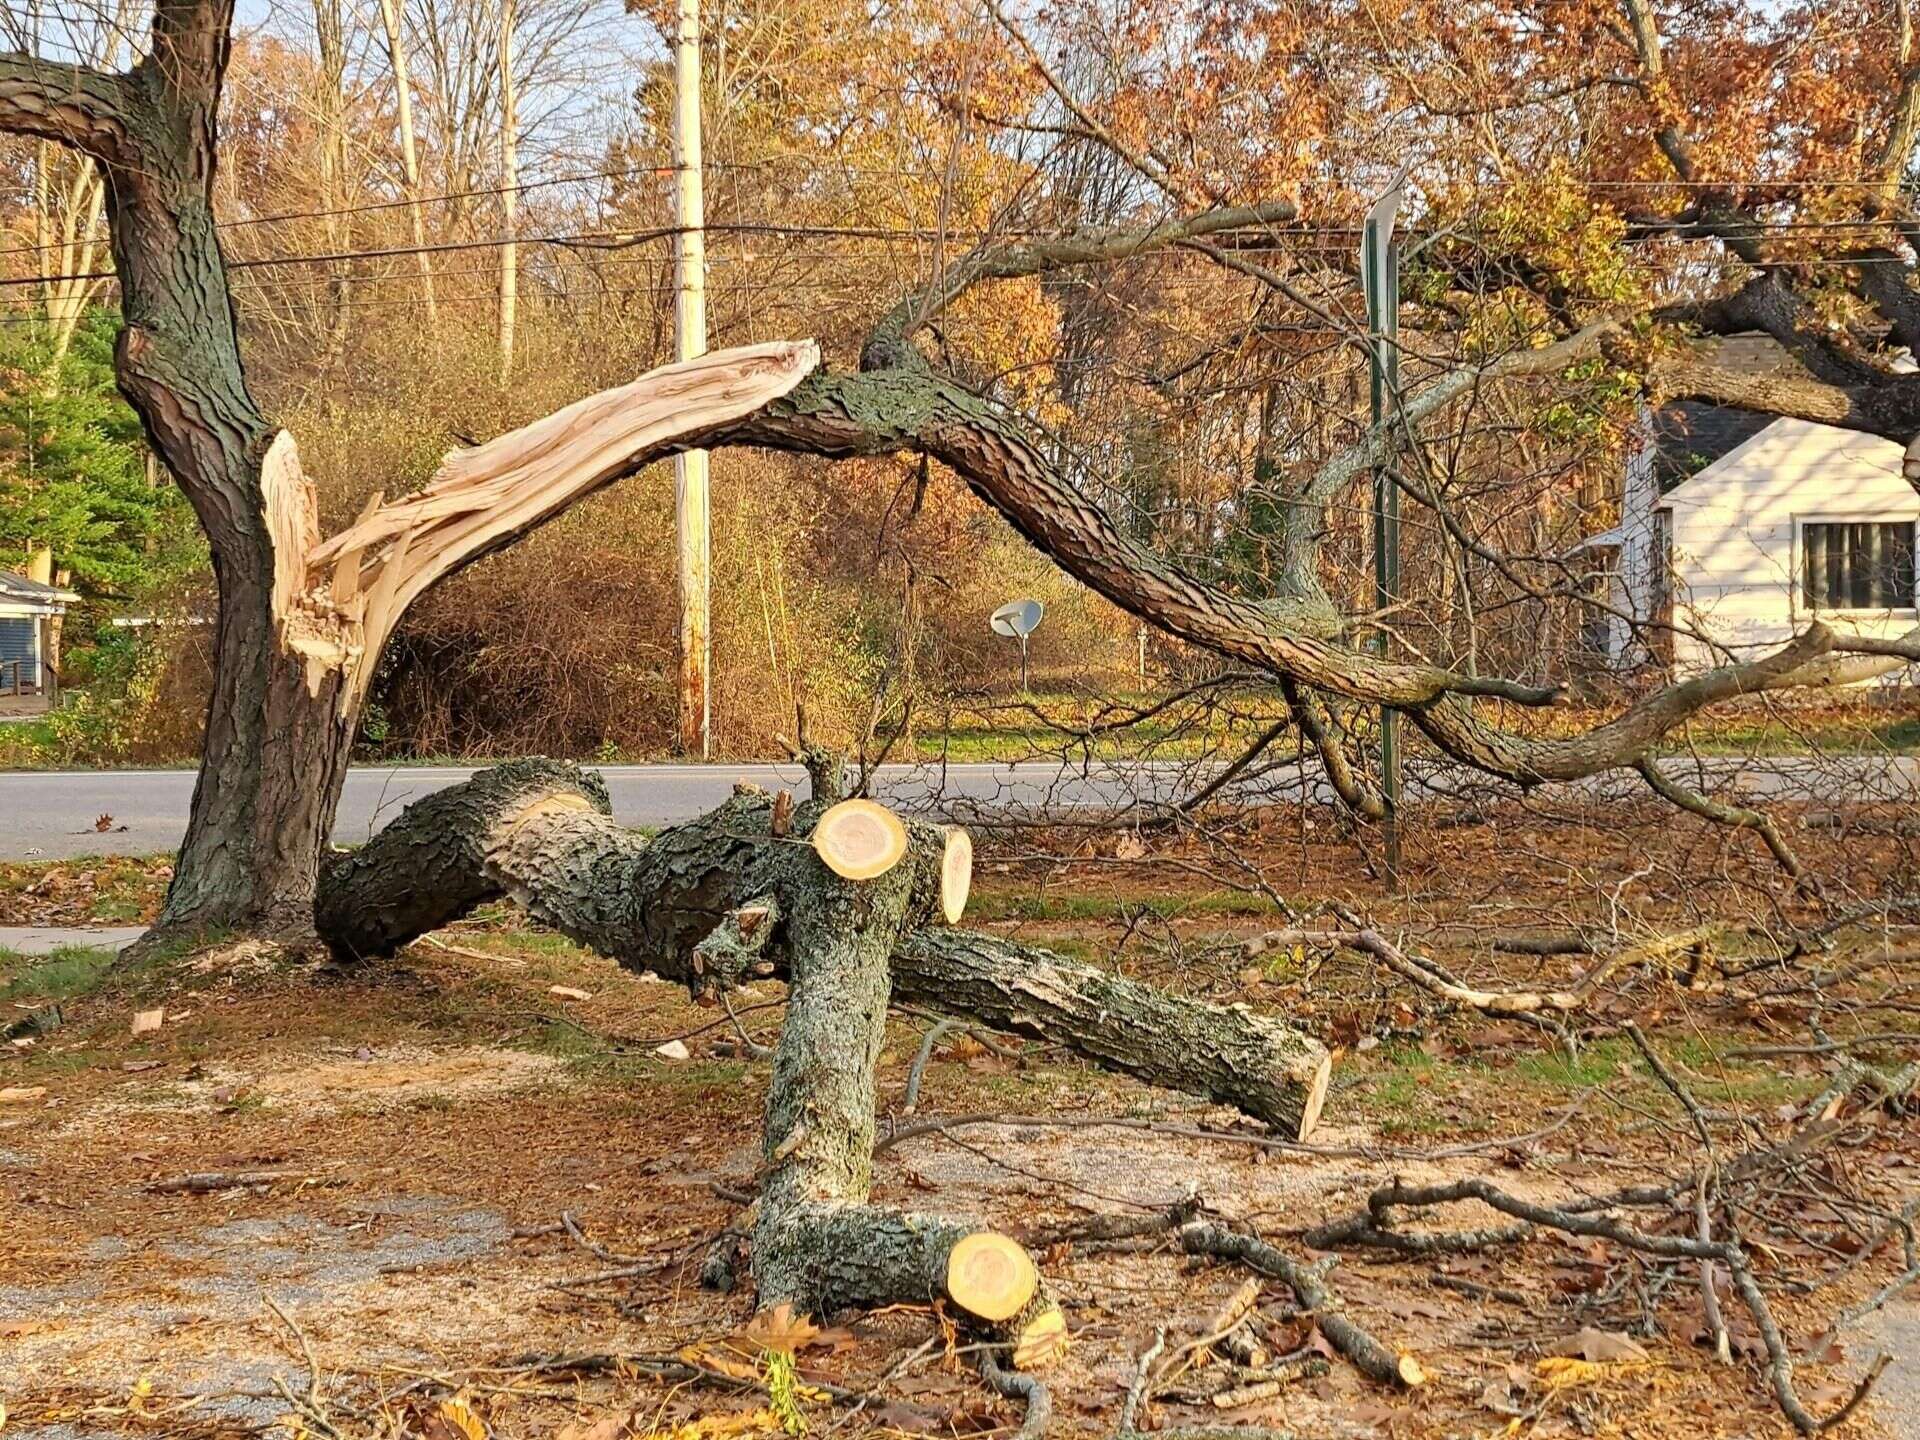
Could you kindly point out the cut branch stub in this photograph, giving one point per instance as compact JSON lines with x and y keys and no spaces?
{"x":991,"y":1275}
{"x":956,"y":874}
{"x":859,"y":839}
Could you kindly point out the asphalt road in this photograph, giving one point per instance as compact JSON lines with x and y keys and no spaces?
{"x":54,"y":814}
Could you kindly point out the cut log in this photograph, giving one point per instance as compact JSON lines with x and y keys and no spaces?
{"x":956,"y":874}
{"x":991,"y":1275}
{"x":818,"y":1245}
{"x":538,"y":831}
{"x":860,"y":840}
{"x":1230,"y":1053}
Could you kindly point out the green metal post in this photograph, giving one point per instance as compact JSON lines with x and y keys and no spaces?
{"x":1380,"y":271}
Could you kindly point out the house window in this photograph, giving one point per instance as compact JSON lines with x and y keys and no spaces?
{"x":1857,"y":565}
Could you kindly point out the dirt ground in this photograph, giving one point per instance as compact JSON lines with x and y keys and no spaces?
{"x":419,"y":1135}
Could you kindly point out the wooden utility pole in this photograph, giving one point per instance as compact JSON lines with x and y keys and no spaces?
{"x":691,"y":508}
{"x":509,"y":196}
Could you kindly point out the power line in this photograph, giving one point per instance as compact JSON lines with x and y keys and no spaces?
{"x":624,"y":239}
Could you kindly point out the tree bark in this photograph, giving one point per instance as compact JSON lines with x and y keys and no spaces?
{"x":818,"y":1244}
{"x":275,"y":750}
{"x":538,"y":831}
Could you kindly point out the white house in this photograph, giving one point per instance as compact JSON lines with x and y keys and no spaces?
{"x":1735,"y":528}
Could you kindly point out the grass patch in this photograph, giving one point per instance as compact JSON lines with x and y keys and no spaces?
{"x":88,"y":890}
{"x":68,"y":972}
{"x":1594,"y":1065}
{"x":1402,"y":1088}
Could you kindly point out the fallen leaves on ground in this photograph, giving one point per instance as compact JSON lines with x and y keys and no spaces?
{"x":455,"y":1419}
{"x":717,"y":1427}
{"x":606,"y":1428}
{"x":1599,"y":1346}
{"x":780,"y":1330}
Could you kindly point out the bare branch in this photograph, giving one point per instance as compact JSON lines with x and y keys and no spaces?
{"x":1009,"y":260}
{"x":1721,"y":813}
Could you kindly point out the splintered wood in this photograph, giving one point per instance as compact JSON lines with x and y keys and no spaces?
{"x":336,"y":601}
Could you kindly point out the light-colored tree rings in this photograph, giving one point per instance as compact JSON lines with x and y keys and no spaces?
{"x":956,"y":874}
{"x":991,"y":1275}
{"x":860,"y":840}
{"x":1042,"y":1341}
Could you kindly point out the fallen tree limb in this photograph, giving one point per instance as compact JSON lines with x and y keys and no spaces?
{"x":817,"y":1243}
{"x":539,"y":832}
{"x":1308,"y":1283}
{"x":1738,"y":817}
{"x":1198,"y":1235}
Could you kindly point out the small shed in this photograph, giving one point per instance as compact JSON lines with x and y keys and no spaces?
{"x":29,"y":611}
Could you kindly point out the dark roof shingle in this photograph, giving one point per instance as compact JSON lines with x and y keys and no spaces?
{"x":1689,"y":436}
{"x":18,"y":587}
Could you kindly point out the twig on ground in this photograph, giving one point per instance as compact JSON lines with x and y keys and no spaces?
{"x":313,"y":1404}
{"x":1137,"y":1393}
{"x":468,"y":953}
{"x":208,"y":1182}
{"x":1667,"y":1078}
{"x":571,"y":1225}
{"x":1597,"y":1222}
{"x":1018,"y":1385}
{"x":752,"y":1046}
{"x":921,"y":1057}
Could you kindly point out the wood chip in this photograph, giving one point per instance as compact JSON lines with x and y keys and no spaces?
{"x":145,"y":1022}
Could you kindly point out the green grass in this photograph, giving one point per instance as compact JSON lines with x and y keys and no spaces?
{"x":1555,"y":1070}
{"x":1401,"y":1087}
{"x":1766,"y":735}
{"x":68,"y":972}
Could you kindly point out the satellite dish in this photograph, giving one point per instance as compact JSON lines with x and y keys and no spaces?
{"x":1017,"y":619}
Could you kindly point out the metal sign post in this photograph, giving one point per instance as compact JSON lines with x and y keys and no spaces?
{"x":1380,"y":276}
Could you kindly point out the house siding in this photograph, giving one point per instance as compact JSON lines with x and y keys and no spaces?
{"x":17,"y":643}
{"x":1736,"y":537}
{"x":1633,"y":592}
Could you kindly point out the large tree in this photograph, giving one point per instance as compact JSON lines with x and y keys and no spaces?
{"x":302,"y":619}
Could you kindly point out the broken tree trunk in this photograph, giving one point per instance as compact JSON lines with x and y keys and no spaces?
{"x":686,"y":905}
